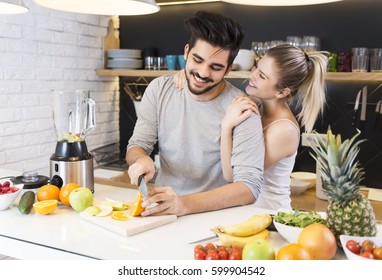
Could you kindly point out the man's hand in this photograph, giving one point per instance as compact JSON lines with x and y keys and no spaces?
{"x":143,"y":165}
{"x":163,"y":201}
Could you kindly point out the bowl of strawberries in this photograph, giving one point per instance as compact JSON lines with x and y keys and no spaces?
{"x":8,"y":192}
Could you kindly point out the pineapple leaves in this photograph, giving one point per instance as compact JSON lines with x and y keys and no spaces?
{"x":341,"y":172}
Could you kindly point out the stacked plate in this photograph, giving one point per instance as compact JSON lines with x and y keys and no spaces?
{"x":124,"y":59}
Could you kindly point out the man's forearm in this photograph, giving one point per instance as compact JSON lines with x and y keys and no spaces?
{"x":234,"y":194}
{"x":133,"y":154}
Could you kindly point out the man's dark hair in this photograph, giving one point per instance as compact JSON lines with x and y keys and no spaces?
{"x":217,"y":30}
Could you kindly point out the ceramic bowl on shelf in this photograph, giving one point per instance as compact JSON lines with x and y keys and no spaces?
{"x":298,"y":187}
{"x":359,"y":239}
{"x":305,"y":176}
{"x":244,"y":60}
{"x":8,"y":193}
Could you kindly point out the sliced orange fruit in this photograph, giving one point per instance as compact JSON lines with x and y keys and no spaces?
{"x":137,"y":208}
{"x":46,"y":206}
{"x":120,"y":215}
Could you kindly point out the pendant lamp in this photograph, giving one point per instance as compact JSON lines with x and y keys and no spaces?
{"x":12,"y":7}
{"x":280,"y":2}
{"x":102,"y":7}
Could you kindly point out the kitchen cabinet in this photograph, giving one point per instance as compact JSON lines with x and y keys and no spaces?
{"x":331,"y":76}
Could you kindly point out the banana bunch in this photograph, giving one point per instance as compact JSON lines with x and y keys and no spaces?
{"x":239,"y":234}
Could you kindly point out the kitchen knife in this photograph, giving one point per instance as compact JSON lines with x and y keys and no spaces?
{"x":362,"y":117}
{"x":380,"y":112}
{"x":142,"y":186}
{"x":356,"y":107}
{"x":377,"y":114}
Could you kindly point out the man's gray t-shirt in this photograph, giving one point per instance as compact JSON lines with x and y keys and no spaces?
{"x":188,"y":134}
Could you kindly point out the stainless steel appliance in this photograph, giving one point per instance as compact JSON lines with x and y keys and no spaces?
{"x":74,"y":119}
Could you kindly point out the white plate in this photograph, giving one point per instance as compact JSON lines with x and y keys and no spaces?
{"x":124,"y":53}
{"x":125,"y":63}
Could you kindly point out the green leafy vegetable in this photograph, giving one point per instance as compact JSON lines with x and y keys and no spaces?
{"x":298,"y":218}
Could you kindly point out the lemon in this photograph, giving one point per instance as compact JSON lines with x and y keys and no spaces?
{"x":46,"y":206}
{"x":120,"y":215}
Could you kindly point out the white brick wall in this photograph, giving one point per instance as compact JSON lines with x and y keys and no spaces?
{"x":43,"y":50}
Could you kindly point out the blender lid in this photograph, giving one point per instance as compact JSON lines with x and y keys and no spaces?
{"x":41,"y":181}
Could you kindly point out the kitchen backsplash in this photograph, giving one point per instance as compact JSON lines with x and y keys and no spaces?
{"x":43,"y":50}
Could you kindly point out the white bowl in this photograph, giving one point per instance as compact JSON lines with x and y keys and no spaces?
{"x":298,"y":186}
{"x":244,"y":60}
{"x":350,"y":255}
{"x":291,"y":233}
{"x":288,"y":232}
{"x":305,"y":176}
{"x":7,"y":199}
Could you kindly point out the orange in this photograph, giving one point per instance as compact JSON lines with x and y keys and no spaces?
{"x":48,"y":192}
{"x":65,"y":192}
{"x":293,"y":252}
{"x":45,"y":207}
{"x":319,"y":241}
{"x":137,"y":208}
{"x":120,"y":215}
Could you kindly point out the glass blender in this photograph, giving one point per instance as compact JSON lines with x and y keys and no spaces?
{"x":74,"y":118}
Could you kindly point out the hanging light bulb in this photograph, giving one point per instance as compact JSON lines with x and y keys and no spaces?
{"x":280,"y":2}
{"x":12,"y":7}
{"x":102,"y":7}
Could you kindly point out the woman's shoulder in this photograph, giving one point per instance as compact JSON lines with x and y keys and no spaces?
{"x":283,"y":124}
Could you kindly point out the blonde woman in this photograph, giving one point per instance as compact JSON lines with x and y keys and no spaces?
{"x":285,"y":73}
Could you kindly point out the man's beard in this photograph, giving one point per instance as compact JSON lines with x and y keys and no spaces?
{"x":200,"y":92}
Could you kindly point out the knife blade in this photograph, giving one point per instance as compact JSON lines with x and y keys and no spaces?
{"x":362,"y":117}
{"x":142,"y":186}
{"x":377,"y":113}
{"x":356,"y":107}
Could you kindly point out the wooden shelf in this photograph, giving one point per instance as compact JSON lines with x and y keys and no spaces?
{"x":331,"y":76}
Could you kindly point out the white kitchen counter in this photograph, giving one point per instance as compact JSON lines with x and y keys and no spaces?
{"x":64,"y":235}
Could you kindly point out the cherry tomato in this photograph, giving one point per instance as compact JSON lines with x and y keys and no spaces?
{"x":235,"y":254}
{"x":212,"y":255}
{"x":367,"y":242}
{"x":198,"y":247}
{"x":367,"y":254}
{"x":209,"y":246}
{"x":199,"y":254}
{"x":377,"y":253}
{"x":368,"y":248}
{"x":223,"y":254}
{"x":353,"y":246}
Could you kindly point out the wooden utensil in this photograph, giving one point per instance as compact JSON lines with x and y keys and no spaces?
{"x":110,"y":42}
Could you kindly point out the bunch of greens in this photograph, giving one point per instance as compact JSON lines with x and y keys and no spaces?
{"x":298,"y":218}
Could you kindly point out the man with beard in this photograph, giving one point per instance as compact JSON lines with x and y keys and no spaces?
{"x":187,"y":128}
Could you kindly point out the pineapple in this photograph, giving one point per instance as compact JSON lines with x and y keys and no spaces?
{"x":348,"y":211}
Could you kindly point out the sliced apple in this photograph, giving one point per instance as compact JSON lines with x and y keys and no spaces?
{"x":117,"y":205}
{"x":92,"y":210}
{"x":105,"y":210}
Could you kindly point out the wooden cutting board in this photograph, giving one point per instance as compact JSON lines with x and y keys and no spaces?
{"x":130,"y":227}
{"x":110,"y":42}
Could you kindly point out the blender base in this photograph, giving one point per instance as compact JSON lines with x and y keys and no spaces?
{"x":80,"y":172}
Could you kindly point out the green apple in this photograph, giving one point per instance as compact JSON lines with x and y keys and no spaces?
{"x":259,"y":249}
{"x":81,"y":198}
